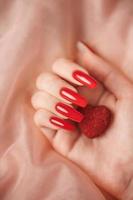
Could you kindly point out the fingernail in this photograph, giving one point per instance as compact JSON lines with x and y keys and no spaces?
{"x":73,"y":97}
{"x":84,"y":78}
{"x":81,"y":47}
{"x":62,"y":123}
{"x":69,"y":112}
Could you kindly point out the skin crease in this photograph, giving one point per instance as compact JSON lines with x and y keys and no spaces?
{"x":108,"y":159}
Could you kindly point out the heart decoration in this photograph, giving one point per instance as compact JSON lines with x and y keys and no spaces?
{"x":96,"y":120}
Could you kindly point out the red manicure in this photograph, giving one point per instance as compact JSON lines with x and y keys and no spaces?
{"x":62,"y":123}
{"x":69,"y":112}
{"x":73,"y":97}
{"x":84,"y":78}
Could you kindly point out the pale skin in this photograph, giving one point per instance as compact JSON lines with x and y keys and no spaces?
{"x":108,"y":159}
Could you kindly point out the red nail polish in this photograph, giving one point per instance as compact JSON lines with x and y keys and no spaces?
{"x":69,"y":112}
{"x":84,"y":78}
{"x":73,"y":97}
{"x":62,"y":123}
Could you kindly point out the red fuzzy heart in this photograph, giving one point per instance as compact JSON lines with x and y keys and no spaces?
{"x":96,"y":120}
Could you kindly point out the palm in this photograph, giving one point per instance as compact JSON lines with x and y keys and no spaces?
{"x":99,"y":156}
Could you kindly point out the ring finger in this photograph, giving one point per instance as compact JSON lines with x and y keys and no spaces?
{"x":43,"y":100}
{"x":60,"y":89}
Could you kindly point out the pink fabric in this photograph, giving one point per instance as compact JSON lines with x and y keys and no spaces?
{"x":33,"y":33}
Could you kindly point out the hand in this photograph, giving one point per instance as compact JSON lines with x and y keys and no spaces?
{"x":108,"y":159}
{"x":55,"y":96}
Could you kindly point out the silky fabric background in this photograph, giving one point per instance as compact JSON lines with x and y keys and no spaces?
{"x":33,"y":33}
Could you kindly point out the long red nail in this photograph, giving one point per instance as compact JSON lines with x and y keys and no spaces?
{"x":62,"y":123}
{"x":69,"y":112}
{"x":73,"y":97}
{"x":84,"y":78}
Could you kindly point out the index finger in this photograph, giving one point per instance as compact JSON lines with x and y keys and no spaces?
{"x":73,"y":73}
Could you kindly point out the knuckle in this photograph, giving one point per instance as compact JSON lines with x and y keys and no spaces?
{"x":39,"y":117}
{"x":35,"y":99}
{"x":45,"y":78}
{"x":39,"y":79}
{"x":58,"y":62}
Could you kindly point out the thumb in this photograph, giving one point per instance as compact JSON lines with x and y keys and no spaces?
{"x":112,"y":79}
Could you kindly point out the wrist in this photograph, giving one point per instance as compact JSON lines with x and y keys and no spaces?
{"x":128,"y":194}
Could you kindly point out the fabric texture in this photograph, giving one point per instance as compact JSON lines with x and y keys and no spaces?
{"x":33,"y":33}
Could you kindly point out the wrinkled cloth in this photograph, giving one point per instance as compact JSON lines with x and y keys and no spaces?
{"x":33,"y":33}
